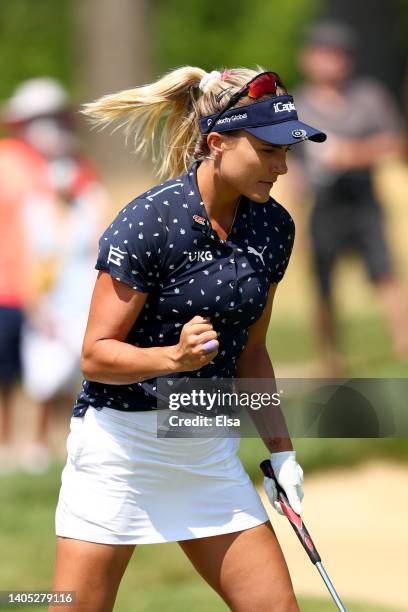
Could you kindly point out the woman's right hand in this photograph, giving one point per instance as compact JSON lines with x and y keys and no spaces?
{"x":190,"y":352}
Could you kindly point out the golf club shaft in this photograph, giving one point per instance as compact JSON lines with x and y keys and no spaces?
{"x":302,"y":533}
{"x":294,"y":519}
{"x":330,"y":586}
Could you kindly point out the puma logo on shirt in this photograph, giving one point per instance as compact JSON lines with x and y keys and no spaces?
{"x":255,"y":252}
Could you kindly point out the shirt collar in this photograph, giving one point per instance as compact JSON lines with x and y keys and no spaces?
{"x":199,"y":217}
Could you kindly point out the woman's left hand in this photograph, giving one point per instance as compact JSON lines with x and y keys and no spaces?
{"x":289,"y":475}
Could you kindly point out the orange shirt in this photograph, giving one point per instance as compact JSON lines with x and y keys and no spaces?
{"x":22,"y":171}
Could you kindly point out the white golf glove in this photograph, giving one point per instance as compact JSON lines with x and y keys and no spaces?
{"x":289,"y":474}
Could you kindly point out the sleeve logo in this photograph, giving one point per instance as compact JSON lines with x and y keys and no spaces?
{"x":115,"y":255}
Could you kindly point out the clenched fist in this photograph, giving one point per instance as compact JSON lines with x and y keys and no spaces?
{"x":197,"y":345}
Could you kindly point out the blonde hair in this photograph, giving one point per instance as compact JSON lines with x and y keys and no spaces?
{"x":163,"y":117}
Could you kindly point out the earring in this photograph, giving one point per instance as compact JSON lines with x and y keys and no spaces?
{"x":212,"y":157}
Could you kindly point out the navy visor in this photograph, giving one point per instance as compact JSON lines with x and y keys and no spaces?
{"x":274,"y":121}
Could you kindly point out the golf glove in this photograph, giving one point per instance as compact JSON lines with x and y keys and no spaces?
{"x":289,"y":474}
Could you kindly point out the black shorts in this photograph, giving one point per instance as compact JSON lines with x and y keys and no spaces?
{"x":356,"y":227}
{"x":11,"y":320}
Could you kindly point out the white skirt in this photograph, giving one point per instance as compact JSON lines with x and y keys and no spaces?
{"x":124,"y":485}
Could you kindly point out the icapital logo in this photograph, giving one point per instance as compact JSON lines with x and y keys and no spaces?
{"x":280,"y":107}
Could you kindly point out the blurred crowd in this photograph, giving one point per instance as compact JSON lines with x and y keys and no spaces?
{"x":364,"y":126}
{"x":53,"y":208}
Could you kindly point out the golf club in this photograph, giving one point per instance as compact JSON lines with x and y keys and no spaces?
{"x":302,"y":533}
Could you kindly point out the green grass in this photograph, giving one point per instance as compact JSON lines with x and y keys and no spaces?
{"x":158,"y":577}
{"x":364,"y":343}
{"x":366,"y":346}
{"x":317,"y":454}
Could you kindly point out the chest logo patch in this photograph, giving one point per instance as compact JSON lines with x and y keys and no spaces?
{"x":258,"y":254}
{"x":199,"y":219}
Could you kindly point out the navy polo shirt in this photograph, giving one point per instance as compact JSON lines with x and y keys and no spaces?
{"x":162,"y":243}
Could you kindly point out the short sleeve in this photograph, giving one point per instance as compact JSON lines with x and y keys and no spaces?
{"x":129,"y":250}
{"x":286,"y":228}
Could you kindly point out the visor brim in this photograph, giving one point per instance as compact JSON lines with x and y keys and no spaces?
{"x":286,"y":133}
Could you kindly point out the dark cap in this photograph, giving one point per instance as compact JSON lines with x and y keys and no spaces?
{"x":274,"y":120}
{"x":331,"y":34}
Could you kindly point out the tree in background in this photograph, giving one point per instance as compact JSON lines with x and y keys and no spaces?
{"x":34,"y":41}
{"x":112,"y":52}
{"x":98,"y":46}
{"x":230,"y":33}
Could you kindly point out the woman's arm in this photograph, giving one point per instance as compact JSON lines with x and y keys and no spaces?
{"x":254,"y":362}
{"x":108,"y":358}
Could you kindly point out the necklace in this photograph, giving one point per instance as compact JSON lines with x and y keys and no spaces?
{"x":227,"y":233}
{"x":233,"y":219}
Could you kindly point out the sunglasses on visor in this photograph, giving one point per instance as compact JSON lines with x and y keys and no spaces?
{"x":261,"y":85}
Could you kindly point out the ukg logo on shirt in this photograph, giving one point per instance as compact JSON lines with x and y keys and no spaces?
{"x":200,"y":256}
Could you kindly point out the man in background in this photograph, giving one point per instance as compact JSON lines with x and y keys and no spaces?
{"x":363,"y":126}
{"x":22,"y":170}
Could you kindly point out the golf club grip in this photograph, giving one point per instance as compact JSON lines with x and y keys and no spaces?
{"x":295,"y":519}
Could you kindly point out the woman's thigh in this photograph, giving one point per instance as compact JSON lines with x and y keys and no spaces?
{"x":246,"y":568}
{"x":93,"y":571}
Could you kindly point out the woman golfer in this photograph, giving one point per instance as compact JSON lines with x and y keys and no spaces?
{"x":188,"y":273}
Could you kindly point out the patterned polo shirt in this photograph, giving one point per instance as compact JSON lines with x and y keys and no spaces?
{"x":162,"y":243}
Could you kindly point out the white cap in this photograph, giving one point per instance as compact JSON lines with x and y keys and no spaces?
{"x":33,"y":98}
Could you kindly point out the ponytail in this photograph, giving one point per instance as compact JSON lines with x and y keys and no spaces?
{"x":163,"y":117}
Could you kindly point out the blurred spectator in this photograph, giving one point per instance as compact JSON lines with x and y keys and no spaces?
{"x":58,"y":212}
{"x":22,"y":170}
{"x":363,"y":125}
